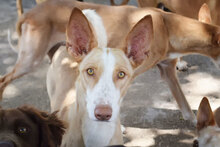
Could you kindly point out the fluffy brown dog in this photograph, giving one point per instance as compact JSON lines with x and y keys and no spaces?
{"x":29,"y":127}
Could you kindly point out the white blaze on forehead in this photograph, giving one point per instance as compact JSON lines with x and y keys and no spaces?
{"x":97,"y":24}
{"x":105,"y":91}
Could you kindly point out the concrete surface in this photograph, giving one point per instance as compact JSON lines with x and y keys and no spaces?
{"x":149,"y":112}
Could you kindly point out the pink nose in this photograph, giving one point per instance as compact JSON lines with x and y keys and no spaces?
{"x":103,"y":112}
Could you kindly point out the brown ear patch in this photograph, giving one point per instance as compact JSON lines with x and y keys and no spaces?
{"x":139,"y":40}
{"x":205,"y":115}
{"x":51,"y":129}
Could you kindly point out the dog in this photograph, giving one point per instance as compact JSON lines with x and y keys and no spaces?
{"x":186,"y":8}
{"x":49,"y":28}
{"x":101,"y":76}
{"x":208,"y":124}
{"x":28,"y":127}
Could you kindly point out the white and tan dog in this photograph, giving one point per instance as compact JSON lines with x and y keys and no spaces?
{"x":87,"y":83}
{"x":208,"y":124}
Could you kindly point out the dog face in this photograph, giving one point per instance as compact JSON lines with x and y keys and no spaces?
{"x":28,"y":127}
{"x":109,"y":80}
{"x":105,"y":73}
{"x":208,"y":125}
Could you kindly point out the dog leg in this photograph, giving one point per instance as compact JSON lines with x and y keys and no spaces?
{"x":20,"y":69}
{"x":182,"y":65}
{"x":168,"y":73}
{"x":19,"y":7}
{"x":33,"y":46}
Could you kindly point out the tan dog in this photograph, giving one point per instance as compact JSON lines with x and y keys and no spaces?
{"x":208,"y":124}
{"x":101,"y":76}
{"x":38,"y":33}
{"x":189,"y":8}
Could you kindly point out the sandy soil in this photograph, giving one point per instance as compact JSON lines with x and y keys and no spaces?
{"x":149,"y":112}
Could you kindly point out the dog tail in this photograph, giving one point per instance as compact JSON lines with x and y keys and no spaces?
{"x":10,"y":43}
{"x":162,"y":6}
{"x":125,"y":2}
{"x":20,"y":21}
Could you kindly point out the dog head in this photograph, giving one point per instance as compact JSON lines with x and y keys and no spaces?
{"x":208,"y":125}
{"x":28,"y":127}
{"x":105,"y":73}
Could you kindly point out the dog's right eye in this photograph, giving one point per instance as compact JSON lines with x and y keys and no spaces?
{"x":90,"y":71}
{"x":22,"y":130}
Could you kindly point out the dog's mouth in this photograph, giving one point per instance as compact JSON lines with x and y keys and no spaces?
{"x":104,"y":121}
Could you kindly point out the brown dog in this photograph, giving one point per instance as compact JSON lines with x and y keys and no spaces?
{"x":170,"y":39}
{"x":29,"y":127}
{"x":208,"y":124}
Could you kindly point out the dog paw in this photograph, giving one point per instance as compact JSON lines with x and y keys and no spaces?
{"x":182,"y":66}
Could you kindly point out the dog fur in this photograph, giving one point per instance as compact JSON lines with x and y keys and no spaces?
{"x":186,"y":8}
{"x":27,"y":126}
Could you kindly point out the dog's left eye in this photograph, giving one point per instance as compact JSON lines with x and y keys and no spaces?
{"x":22,"y":130}
{"x":121,"y":75}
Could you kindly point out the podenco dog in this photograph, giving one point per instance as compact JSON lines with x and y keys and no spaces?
{"x":208,"y":124}
{"x":44,"y":26}
{"x":88,"y":84}
{"x":187,"y":8}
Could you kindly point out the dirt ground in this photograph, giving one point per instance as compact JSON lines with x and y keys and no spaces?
{"x":149,"y":112}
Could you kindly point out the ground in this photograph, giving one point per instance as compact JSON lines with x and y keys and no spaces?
{"x":149,"y":112}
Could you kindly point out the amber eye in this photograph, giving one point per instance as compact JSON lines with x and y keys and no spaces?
{"x":121,"y":75}
{"x":22,"y":130}
{"x":90,"y":71}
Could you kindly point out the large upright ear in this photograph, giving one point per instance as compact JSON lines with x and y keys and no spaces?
{"x":205,"y":115}
{"x":80,"y":39}
{"x":139,"y":41}
{"x":204,"y":14}
{"x":51,"y":129}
